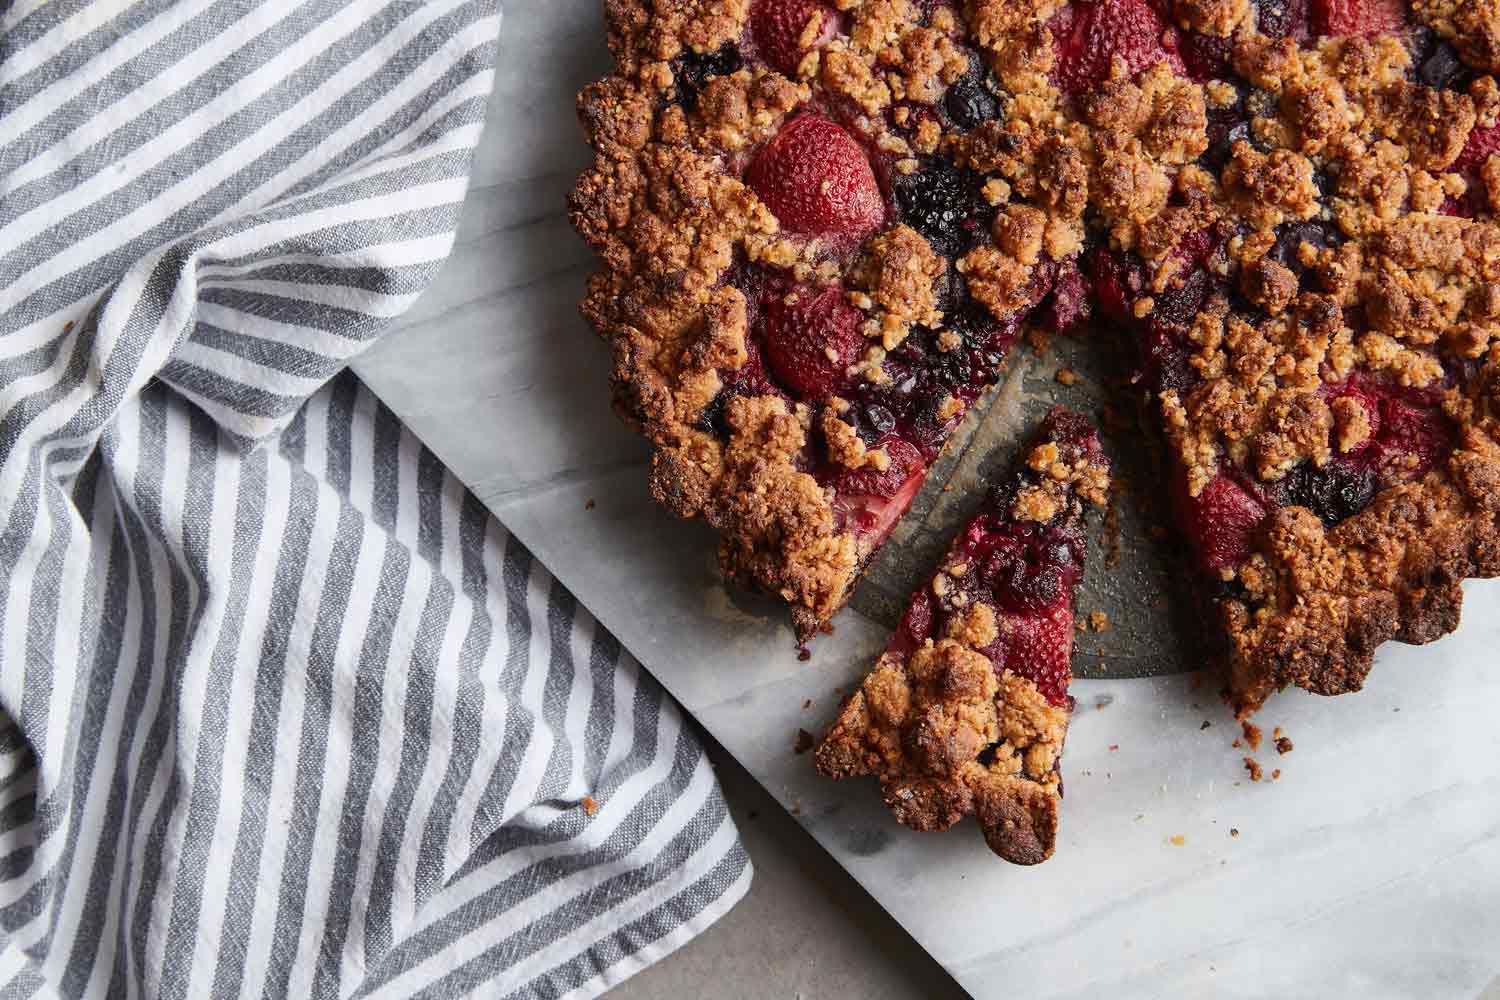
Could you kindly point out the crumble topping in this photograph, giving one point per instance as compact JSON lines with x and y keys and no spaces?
{"x":1319,"y":283}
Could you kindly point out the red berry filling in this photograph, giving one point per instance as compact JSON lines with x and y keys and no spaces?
{"x":1090,"y":35}
{"x":812,"y":339}
{"x":780,"y":27}
{"x":1357,"y":17}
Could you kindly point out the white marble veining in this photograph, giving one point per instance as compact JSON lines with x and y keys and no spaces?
{"x":1372,"y":868}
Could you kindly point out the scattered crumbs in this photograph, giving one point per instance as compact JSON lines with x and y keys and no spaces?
{"x":1088,"y":774}
{"x":1276,"y":774}
{"x":803,"y":654}
{"x":590,"y":806}
{"x":1139,"y":817}
{"x":807,"y":704}
{"x":1395,"y":710}
{"x":1234,"y":831}
{"x":796,"y":809}
{"x":948,"y":488}
{"x":1113,"y":747}
{"x":1283,"y":745}
{"x":1067,"y":376}
{"x":1252,"y":735}
{"x":1253,"y":766}
{"x":1205,"y":725}
{"x":804,"y":742}
{"x":68,"y":327}
{"x":1177,"y":840}
{"x":1276,"y":733}
{"x":589,"y":505}
{"x":1099,"y":621}
{"x":1104,"y":702}
{"x":1236,"y":744}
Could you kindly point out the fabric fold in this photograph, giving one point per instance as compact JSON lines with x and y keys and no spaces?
{"x":286,"y":711}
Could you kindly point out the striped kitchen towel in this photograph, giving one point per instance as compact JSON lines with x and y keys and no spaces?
{"x":283,"y":711}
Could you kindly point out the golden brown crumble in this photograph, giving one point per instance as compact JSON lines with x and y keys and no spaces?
{"x":1342,"y":138}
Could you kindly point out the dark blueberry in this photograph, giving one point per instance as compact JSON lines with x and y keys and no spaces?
{"x":1206,"y":56}
{"x":692,"y":69}
{"x":944,"y":204}
{"x":712,"y":420}
{"x":1030,"y":571}
{"x":1280,"y":18}
{"x":1176,"y":308}
{"x":970,"y":104}
{"x":1326,"y":182}
{"x":1221,"y":140}
{"x":1334,"y":493}
{"x":879,"y":419}
{"x":1290,"y":237}
{"x":1443,"y":68}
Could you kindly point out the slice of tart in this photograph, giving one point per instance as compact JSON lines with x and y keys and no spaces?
{"x":966,"y":711}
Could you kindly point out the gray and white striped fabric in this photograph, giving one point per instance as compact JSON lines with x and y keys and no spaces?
{"x":286,"y":713}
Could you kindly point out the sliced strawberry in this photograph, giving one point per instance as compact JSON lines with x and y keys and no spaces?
{"x":1411,"y":439}
{"x":779,"y":27}
{"x":1357,"y":17}
{"x":812,"y":338}
{"x":1222,"y":520}
{"x":1482,"y":142}
{"x":905,"y":460}
{"x":1117,"y":281}
{"x":1039,"y":647}
{"x":1089,"y":35}
{"x":916,"y":624}
{"x":871,"y":515}
{"x":817,"y":180}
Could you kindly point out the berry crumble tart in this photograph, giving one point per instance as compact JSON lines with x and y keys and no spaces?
{"x":966,"y":711}
{"x":822,"y":224}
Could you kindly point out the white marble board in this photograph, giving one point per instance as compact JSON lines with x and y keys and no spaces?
{"x":1372,"y":868}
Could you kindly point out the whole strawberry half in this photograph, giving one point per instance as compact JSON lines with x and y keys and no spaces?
{"x":1222,"y":520}
{"x":817,"y":180}
{"x":1482,"y":142}
{"x":1357,"y":17}
{"x":812,"y":338}
{"x":780,"y":26}
{"x":1039,"y":647}
{"x":1089,"y":35}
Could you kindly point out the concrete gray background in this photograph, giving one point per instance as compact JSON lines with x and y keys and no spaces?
{"x":805,"y":929}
